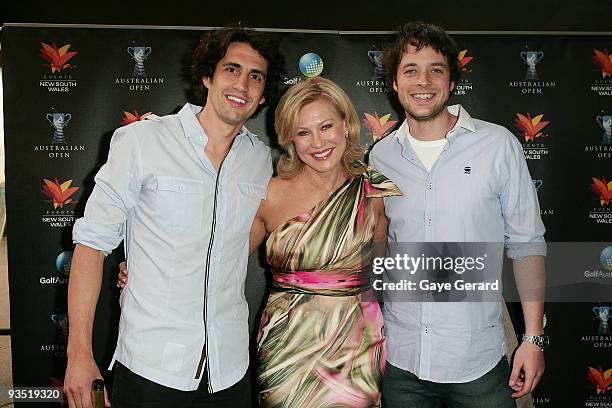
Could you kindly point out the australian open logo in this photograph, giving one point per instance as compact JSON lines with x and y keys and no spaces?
{"x":139,"y":80}
{"x":531,"y":133}
{"x":58,"y":67}
{"x":376,"y":83}
{"x":602,"y":195}
{"x":464,"y":86}
{"x":601,"y":139}
{"x":600,"y":337}
{"x":532,"y":82}
{"x":58,"y":146}
{"x":602,"y":61}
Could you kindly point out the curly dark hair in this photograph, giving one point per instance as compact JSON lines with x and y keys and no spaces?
{"x":213,"y":47}
{"x":420,"y":35}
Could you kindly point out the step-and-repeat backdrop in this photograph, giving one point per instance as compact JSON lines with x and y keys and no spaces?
{"x":67,"y":89}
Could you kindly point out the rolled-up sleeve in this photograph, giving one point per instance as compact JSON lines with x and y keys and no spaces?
{"x":116,"y":192}
{"x":523,"y":227}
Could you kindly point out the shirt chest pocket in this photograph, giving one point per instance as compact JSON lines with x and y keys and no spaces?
{"x":249,"y":198}
{"x":181,"y":202}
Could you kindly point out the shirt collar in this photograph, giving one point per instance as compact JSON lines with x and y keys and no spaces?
{"x":193,"y":129}
{"x":464,"y":121}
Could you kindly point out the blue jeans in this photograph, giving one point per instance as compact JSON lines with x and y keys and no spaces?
{"x":402,"y":389}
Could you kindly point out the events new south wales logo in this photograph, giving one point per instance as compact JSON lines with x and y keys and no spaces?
{"x":464,"y":86}
{"x":532,"y":82}
{"x":59,"y":66}
{"x":602,"y":60}
{"x":129,"y":117}
{"x":601,"y":381}
{"x":376,"y":82}
{"x":531,"y":134}
{"x":58,"y":146}
{"x":139,"y":80}
{"x":59,"y":197}
{"x":379,"y":126}
{"x":602,"y":190}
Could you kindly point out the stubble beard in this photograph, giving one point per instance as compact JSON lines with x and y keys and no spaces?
{"x":436,"y":111}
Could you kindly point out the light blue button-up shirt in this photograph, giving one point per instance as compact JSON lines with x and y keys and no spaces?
{"x":479,"y":190}
{"x":186,"y":230}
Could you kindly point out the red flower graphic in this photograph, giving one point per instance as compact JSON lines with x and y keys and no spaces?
{"x":603,"y":60}
{"x":129,"y":117}
{"x":600,"y":379}
{"x":378,"y":125}
{"x":57,"y":58}
{"x":463,"y":61}
{"x":531,"y":127}
{"x":603,"y":190}
{"x":59,"y":193}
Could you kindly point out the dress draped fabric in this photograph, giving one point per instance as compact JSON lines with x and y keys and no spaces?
{"x":321,"y":341}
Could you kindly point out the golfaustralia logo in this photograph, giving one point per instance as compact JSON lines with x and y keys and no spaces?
{"x":602,"y":190}
{"x":59,"y":211}
{"x":532,"y":134}
{"x":139,"y":79}
{"x":464,"y":86}
{"x":59,"y":65}
{"x":58,"y":146}
{"x":63,"y":262}
{"x":532,"y":82}
{"x":376,"y":83}
{"x":602,"y":60}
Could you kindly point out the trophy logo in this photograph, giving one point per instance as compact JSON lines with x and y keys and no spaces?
{"x":531,"y":59}
{"x":58,"y":121}
{"x":602,"y":313}
{"x":139,"y":55}
{"x":376,"y":58}
{"x":605,"y":122}
{"x":537,"y":183}
{"x":61,"y":322}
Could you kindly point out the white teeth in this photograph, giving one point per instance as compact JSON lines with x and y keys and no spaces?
{"x":322,"y":154}
{"x":236,"y":99}
{"x":423,"y":96}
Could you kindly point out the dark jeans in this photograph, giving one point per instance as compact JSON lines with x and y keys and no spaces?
{"x":403,"y":389}
{"x":133,"y":391}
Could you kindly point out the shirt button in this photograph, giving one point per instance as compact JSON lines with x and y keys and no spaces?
{"x":429,"y":186}
{"x":429,"y":222}
{"x":182,"y":187}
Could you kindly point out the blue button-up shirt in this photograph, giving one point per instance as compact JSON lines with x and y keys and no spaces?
{"x":186,"y":228}
{"x":479,"y":190}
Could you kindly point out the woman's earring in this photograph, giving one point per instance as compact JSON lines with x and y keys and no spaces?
{"x":346,"y":134}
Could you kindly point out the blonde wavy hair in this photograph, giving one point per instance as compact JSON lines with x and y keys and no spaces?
{"x":286,"y":119}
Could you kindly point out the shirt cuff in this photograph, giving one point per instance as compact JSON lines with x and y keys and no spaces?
{"x":103,"y":237}
{"x":519,"y":250}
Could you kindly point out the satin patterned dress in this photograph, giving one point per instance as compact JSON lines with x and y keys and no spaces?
{"x":321,"y":341}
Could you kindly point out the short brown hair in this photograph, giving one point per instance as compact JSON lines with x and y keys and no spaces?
{"x":286,"y":117}
{"x":420,"y":35}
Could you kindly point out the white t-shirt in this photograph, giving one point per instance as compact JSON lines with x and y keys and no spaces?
{"x":428,"y":151}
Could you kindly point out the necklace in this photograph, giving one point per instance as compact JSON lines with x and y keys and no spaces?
{"x":341,"y":178}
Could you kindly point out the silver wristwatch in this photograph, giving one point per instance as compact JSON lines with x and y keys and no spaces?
{"x":541,"y":341}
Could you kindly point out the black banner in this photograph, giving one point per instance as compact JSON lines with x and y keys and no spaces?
{"x":67,"y":89}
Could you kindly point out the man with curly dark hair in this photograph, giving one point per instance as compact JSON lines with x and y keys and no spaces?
{"x":181,"y":191}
